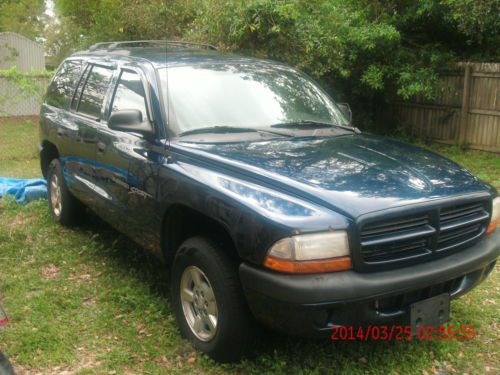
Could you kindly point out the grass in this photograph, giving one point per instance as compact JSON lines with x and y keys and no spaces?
{"x":88,"y":301}
{"x":18,"y":149}
{"x":485,"y":165}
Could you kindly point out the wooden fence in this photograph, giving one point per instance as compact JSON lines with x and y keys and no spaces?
{"x":466,"y":111}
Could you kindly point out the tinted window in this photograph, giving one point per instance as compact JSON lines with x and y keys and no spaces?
{"x":61,"y":90}
{"x":95,"y":91}
{"x":130,"y":93}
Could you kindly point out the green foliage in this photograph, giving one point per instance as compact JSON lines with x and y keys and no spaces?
{"x":22,"y":17}
{"x":479,"y":22}
{"x":31,"y":84}
{"x":102,"y":20}
{"x":367,"y":50}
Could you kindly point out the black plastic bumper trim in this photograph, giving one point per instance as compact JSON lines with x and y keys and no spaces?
{"x":350,"y":286}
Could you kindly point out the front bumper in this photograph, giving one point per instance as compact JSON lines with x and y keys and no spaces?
{"x":309,"y":305}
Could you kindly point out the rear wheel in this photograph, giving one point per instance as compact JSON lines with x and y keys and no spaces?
{"x":208,"y":301}
{"x":65,"y":208}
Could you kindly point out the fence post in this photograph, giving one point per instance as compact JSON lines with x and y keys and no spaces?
{"x":462,"y":131}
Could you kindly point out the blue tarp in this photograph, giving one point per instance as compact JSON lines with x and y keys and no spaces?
{"x":24,"y":190}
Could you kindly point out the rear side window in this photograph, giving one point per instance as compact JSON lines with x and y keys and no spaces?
{"x":130,"y":93}
{"x":95,"y":90}
{"x":60,"y":92}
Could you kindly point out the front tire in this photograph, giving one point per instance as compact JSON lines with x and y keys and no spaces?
{"x":208,"y":301}
{"x":64,"y":207}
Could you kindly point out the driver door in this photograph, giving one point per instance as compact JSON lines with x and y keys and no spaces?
{"x":127,"y":164}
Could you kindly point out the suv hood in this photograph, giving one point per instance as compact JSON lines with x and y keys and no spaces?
{"x":354,"y":174}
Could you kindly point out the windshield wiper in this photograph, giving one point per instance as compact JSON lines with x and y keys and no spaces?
{"x":217,"y":129}
{"x":310,"y":124}
{"x":229,"y":129}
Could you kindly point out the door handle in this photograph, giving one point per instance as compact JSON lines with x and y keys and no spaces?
{"x":60,"y":133}
{"x":101,"y":146}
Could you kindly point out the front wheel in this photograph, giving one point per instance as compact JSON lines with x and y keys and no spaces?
{"x":208,"y":301}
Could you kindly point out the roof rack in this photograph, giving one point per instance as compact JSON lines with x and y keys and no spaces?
{"x":110,"y":46}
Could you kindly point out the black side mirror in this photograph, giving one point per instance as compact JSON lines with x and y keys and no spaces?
{"x":130,"y":120}
{"x":346,"y":110}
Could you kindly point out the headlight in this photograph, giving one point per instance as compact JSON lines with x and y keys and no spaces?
{"x":495,"y":216}
{"x":310,"y":253}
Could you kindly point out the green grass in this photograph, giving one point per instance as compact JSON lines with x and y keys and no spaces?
{"x":18,"y":149}
{"x":485,"y":165}
{"x":88,"y":301}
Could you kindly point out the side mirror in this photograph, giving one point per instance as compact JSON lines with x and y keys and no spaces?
{"x":130,"y":120}
{"x":346,"y":110}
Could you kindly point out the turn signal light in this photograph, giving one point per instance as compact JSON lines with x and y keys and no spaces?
{"x":492,"y":226}
{"x":308,"y":266}
{"x":495,"y":216}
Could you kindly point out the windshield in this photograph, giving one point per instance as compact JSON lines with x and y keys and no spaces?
{"x":244,"y":96}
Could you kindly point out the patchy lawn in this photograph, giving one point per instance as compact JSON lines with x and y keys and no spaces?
{"x":88,"y":301}
{"x":19,"y":148}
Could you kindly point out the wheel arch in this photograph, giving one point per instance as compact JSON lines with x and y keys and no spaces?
{"x":181,"y":222}
{"x":48,"y":153}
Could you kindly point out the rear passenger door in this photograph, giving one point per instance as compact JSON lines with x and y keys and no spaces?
{"x":87,"y":109}
{"x":57,"y":123}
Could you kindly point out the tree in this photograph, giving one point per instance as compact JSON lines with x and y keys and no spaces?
{"x":368,"y":50}
{"x":24,"y":17}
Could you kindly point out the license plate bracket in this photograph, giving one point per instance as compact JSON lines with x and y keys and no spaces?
{"x":433,"y":311}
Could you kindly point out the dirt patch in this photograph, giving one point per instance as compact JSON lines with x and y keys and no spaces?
{"x":88,"y":362}
{"x":11,"y":119}
{"x":22,"y":220}
{"x":50,"y":271}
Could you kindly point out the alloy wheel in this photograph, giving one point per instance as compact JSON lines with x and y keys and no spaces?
{"x":198,"y":303}
{"x":55,"y":195}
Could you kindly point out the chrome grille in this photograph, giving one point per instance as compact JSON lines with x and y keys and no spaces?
{"x":423,"y":234}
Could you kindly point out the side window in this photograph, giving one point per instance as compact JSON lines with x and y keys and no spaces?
{"x":130,"y":94}
{"x":61,"y":90}
{"x":95,"y":90}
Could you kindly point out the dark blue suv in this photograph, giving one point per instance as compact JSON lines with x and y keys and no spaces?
{"x":248,"y":180}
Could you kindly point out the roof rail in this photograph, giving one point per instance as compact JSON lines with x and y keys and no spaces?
{"x":110,"y":46}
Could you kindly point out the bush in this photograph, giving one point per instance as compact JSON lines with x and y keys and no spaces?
{"x":364,"y":52}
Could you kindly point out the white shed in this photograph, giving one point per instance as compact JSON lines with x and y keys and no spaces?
{"x":25,"y":54}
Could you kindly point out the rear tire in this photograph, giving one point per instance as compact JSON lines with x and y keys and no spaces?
{"x":211,"y":312}
{"x":64,"y":207}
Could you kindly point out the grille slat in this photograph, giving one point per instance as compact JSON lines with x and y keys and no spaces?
{"x":424,"y":231}
{"x":459,"y":224}
{"x":407,"y":237}
{"x":395,"y":226}
{"x":466,"y":221}
{"x":451,"y":213}
{"x":456,"y":234}
{"x":414,"y":248}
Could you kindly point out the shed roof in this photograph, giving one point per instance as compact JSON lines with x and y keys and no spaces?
{"x":29,"y":54}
